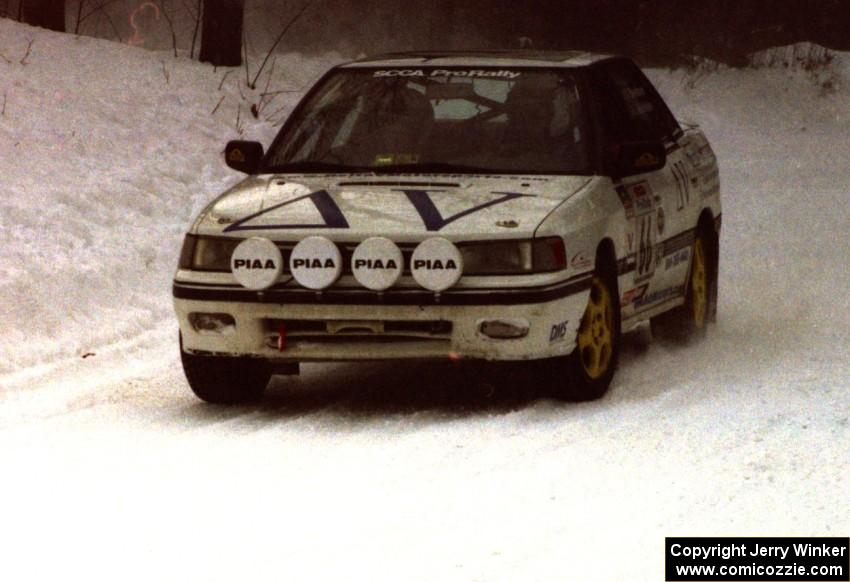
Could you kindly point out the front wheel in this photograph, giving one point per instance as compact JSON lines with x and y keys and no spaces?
{"x":590,"y":368}
{"x":226,"y":380}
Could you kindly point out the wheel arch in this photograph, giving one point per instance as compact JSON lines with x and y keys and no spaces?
{"x":706,"y":229}
{"x":606,"y":263}
{"x":606,"y":256}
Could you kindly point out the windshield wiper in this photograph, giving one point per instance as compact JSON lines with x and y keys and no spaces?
{"x":311,"y":166}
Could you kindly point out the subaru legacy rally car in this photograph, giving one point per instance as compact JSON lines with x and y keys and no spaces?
{"x":481,"y":205}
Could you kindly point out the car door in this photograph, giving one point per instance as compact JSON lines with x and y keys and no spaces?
{"x":630,"y":110}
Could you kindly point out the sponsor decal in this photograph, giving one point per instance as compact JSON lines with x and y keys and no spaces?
{"x":436,"y":264}
{"x":558,"y":331}
{"x":678,"y":242}
{"x":315,"y":262}
{"x":657,"y":296}
{"x":646,"y":159}
{"x":447,"y":73}
{"x":256,"y":263}
{"x":633,"y":294}
{"x":236,"y":155}
{"x":386,"y":159}
{"x":626,"y":199}
{"x":642,"y":196}
{"x":377,"y":263}
{"x":677,"y":258}
{"x":579,"y":261}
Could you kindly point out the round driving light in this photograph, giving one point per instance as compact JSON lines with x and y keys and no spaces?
{"x":315,"y":262}
{"x":377,"y":263}
{"x":436,"y":264}
{"x":256,"y":263}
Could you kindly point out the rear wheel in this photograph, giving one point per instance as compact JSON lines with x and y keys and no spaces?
{"x":226,"y":380}
{"x":591,"y":366}
{"x":690,"y":320}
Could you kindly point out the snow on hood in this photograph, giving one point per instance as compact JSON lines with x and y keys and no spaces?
{"x":405,"y":208}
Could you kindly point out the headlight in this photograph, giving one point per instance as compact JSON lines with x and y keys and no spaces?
{"x":514,"y":257}
{"x":207,"y":253}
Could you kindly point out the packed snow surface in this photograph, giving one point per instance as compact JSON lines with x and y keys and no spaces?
{"x":111,"y":469}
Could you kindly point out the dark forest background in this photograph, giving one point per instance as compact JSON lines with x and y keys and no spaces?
{"x":656,"y":32}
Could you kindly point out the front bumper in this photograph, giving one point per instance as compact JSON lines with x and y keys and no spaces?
{"x":346,"y":324}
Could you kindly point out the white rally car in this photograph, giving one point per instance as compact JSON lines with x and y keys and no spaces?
{"x":481,"y":205}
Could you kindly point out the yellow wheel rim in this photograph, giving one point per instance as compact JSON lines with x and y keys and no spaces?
{"x":699,"y":286}
{"x":596,"y":332}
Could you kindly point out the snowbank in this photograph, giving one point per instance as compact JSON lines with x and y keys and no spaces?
{"x":108,"y":151}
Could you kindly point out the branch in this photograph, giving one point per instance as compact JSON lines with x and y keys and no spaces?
{"x":29,"y":48}
{"x":223,"y":77}
{"x":189,"y":9}
{"x":281,"y":92}
{"x":170,"y":25}
{"x":79,"y":13}
{"x":98,"y":8}
{"x":286,"y":28}
{"x":217,"y":105}
{"x":195,"y":32}
{"x":114,"y":28}
{"x":245,"y":55}
{"x":260,"y":104}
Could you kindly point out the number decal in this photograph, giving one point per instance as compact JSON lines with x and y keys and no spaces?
{"x":681,"y":175}
{"x":645,"y":262}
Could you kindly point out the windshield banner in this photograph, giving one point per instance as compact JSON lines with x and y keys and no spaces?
{"x":468,"y":73}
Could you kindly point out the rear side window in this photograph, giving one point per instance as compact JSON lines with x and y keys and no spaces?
{"x":630,"y":107}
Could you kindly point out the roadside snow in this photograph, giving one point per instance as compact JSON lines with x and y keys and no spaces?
{"x":108,"y":152}
{"x":111,"y":469}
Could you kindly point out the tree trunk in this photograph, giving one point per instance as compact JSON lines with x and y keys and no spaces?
{"x":48,"y":14}
{"x":221,"y":32}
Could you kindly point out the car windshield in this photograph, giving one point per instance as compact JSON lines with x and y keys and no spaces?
{"x":455,"y":120}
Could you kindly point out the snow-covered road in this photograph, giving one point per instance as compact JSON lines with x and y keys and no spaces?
{"x":111,"y":469}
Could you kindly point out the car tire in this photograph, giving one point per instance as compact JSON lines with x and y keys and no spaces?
{"x":226,"y":380}
{"x":587,"y":372}
{"x":689,"y":321}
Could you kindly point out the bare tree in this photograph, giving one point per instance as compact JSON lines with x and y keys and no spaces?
{"x":280,"y":36}
{"x":221,"y":32}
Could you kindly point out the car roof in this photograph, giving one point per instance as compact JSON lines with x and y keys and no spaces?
{"x":481,"y":58}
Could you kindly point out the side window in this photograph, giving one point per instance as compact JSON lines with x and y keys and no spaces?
{"x":632,"y":109}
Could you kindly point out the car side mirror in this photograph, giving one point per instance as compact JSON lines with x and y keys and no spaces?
{"x":244,"y":156}
{"x":638,"y":158}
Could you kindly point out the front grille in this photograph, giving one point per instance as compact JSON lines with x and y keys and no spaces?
{"x":311,"y":328}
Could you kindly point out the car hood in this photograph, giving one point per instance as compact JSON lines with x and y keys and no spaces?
{"x":404,"y":208}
